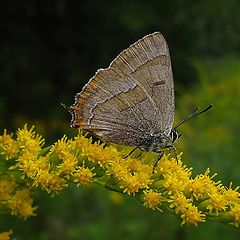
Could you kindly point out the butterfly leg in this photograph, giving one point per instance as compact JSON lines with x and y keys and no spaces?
{"x":158,"y":159}
{"x":139,"y":155}
{"x":131,"y":152}
{"x":174,"y":151}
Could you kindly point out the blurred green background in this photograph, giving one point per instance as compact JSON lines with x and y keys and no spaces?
{"x":50,"y":49}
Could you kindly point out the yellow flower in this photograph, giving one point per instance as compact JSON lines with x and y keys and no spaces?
{"x":179,"y":202}
{"x":231,"y":195}
{"x":83,"y":176}
{"x":5,"y":235}
{"x":24,"y":134}
{"x":216,"y":201}
{"x":152,"y":199}
{"x":131,"y":185}
{"x":118,"y":169}
{"x":21,"y":204}
{"x":8,"y":146}
{"x":83,"y":161}
{"x":167,"y":165}
{"x":235,"y":214}
{"x":61,"y":147}
{"x":176,"y":176}
{"x":192,"y":215}
{"x":68,"y":166}
{"x":32,"y":145}
{"x":175,"y":182}
{"x":183,"y":206}
{"x":7,"y":185}
{"x":132,"y":174}
{"x":29,"y":140}
{"x":95,"y":152}
{"x":48,"y":181}
{"x":138,"y":166}
{"x":30,"y":164}
{"x":203,"y":185}
{"x":69,"y":162}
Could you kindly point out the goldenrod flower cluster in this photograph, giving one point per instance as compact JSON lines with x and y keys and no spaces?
{"x":26,"y":165}
{"x":5,"y":235}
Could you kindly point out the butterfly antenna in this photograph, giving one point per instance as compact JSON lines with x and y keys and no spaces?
{"x":67,"y":107}
{"x":194,"y":114}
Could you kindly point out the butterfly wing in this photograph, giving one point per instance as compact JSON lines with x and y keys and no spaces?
{"x":148,"y":62}
{"x":127,"y":101}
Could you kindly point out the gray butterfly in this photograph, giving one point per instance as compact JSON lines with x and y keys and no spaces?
{"x":132,"y":101}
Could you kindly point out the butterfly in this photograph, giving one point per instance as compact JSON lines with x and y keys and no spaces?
{"x":132,"y":101}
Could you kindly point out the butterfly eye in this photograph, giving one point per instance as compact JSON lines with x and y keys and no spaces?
{"x":174,"y":135}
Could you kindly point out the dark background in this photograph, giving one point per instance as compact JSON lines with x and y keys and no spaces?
{"x":50,"y":49}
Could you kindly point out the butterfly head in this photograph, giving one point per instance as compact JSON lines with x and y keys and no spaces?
{"x":160,"y":142}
